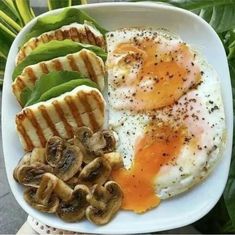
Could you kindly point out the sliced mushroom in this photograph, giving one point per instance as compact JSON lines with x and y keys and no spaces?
{"x":69,"y":163}
{"x":101,"y":142}
{"x":87,"y":156}
{"x":110,"y":141}
{"x":74,"y":180}
{"x":54,"y":149}
{"x":50,"y":183}
{"x":98,"y":197}
{"x":47,"y":186}
{"x":74,"y":209}
{"x":83,"y":134}
{"x":30,"y":175}
{"x":115,"y":160}
{"x":51,"y":207}
{"x":113,"y":203}
{"x":25,"y":160}
{"x":38,"y":155}
{"x":96,"y":172}
{"x":63,"y":190}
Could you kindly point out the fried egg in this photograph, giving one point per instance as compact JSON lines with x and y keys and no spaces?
{"x":167,"y":110}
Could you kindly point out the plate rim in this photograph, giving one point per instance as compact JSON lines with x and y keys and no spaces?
{"x":128,"y":230}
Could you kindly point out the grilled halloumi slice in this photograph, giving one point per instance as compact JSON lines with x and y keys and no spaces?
{"x":86,"y":62}
{"x":60,"y":116}
{"x":83,"y":33}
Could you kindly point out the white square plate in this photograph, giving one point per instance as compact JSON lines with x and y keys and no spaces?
{"x":173,"y":213}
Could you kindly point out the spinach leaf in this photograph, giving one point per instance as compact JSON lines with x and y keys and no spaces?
{"x":52,"y":22}
{"x":55,"y":49}
{"x":47,"y":82}
{"x":25,"y":96}
{"x":65,"y":87}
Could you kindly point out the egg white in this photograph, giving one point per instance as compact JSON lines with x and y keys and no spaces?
{"x":192,"y":165}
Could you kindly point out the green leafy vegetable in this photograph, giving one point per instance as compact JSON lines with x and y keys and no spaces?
{"x":65,"y":87}
{"x":47,"y":82}
{"x":25,"y":96}
{"x":14,"y":14}
{"x":55,"y":49}
{"x":52,"y":22}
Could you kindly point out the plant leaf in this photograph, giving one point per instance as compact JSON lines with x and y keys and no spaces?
{"x":11,"y":23}
{"x":55,"y":4}
{"x":25,"y":96}
{"x":7,"y":26}
{"x":2,"y":65}
{"x":228,"y":227}
{"x":215,"y":220}
{"x":10,"y":11}
{"x":231,"y":48}
{"x":222,"y":17}
{"x":24,"y":10}
{"x":52,"y":22}
{"x":47,"y":82}
{"x":220,"y":14}
{"x":229,"y":192}
{"x":55,"y":49}
{"x":65,"y":87}
{"x":197,"y":4}
{"x":6,"y":39}
{"x":78,"y":2}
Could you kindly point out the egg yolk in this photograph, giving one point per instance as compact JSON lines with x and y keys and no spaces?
{"x":164,"y":74}
{"x":160,"y":145}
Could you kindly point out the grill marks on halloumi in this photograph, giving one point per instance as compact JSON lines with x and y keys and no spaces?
{"x":83,"y":33}
{"x":86,"y":62}
{"x":61,"y":116}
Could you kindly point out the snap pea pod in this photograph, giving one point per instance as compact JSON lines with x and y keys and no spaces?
{"x":47,"y":82}
{"x":68,"y":86}
{"x":54,"y":49}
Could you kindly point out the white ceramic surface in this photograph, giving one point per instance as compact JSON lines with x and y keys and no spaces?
{"x":173,"y":213}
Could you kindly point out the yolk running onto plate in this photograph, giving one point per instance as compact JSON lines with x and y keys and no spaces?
{"x":165,"y":74}
{"x":159,"y":146}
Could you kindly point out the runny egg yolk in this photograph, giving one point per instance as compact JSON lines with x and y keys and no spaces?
{"x":164,"y":74}
{"x":159,"y":146}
